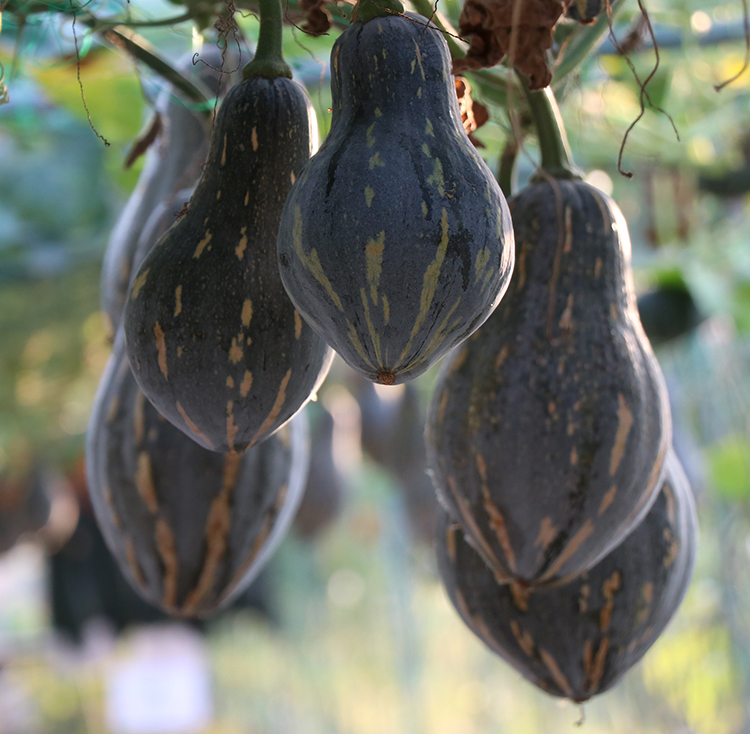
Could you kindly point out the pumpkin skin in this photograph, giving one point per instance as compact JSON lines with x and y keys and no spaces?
{"x":164,"y":215}
{"x":172,"y":162}
{"x":547,"y":431}
{"x":395,"y":243}
{"x":213,"y":339}
{"x":189,"y":528}
{"x":578,"y":639}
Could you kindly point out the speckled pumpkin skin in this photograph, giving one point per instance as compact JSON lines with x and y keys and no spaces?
{"x":548,"y":429}
{"x":190,"y":528}
{"x":577,"y":640}
{"x":215,"y":343}
{"x":395,"y":243}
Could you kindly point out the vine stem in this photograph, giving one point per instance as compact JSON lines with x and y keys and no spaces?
{"x":557,"y":160}
{"x":269,"y":59}
{"x":139,"y":49}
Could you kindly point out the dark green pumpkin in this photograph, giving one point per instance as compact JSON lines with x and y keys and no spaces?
{"x":547,"y":431}
{"x":395,"y":243}
{"x":173,"y":161}
{"x":190,"y":528}
{"x":163,"y":216}
{"x":214,"y":341}
{"x":578,"y":639}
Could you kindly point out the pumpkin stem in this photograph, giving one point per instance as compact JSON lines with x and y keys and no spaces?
{"x":557,"y":160}
{"x":269,"y":59}
{"x":369,"y":9}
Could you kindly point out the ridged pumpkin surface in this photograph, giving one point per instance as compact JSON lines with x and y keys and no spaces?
{"x":215,"y":343}
{"x":548,"y":429}
{"x":395,"y":243}
{"x":190,"y":528}
{"x":578,"y":639}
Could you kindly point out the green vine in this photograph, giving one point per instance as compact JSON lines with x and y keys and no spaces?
{"x":269,"y":59}
{"x":557,"y":160}
{"x":139,"y":49}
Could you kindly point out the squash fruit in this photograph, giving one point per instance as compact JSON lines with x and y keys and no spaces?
{"x":214,"y":341}
{"x":547,"y":431}
{"x":578,"y":639}
{"x":395,"y":243}
{"x":190,"y":528}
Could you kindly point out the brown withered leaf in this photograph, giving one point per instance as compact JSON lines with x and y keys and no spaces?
{"x":490,"y":25}
{"x":473,"y":114}
{"x":144,"y":141}
{"x":318,"y":20}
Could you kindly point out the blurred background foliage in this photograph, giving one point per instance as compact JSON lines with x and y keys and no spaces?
{"x":355,"y":634}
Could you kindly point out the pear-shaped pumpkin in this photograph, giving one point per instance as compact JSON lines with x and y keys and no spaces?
{"x":190,"y":528}
{"x":548,"y":429}
{"x":213,"y":339}
{"x":578,"y":639}
{"x":395,"y":243}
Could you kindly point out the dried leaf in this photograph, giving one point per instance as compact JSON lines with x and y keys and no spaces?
{"x":473,"y":114}
{"x":144,"y":141}
{"x":317,"y":20}
{"x":490,"y":25}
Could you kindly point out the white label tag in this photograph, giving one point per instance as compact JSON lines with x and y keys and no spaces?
{"x":162,"y":685}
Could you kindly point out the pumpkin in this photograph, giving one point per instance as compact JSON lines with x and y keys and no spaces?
{"x":214,"y":341}
{"x":190,"y":528}
{"x":547,"y":431}
{"x":395,"y":242}
{"x":578,"y":639}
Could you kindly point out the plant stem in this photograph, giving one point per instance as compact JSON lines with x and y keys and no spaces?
{"x":553,"y":142}
{"x":104,"y":25}
{"x":137,"y":47}
{"x":269,"y":60}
